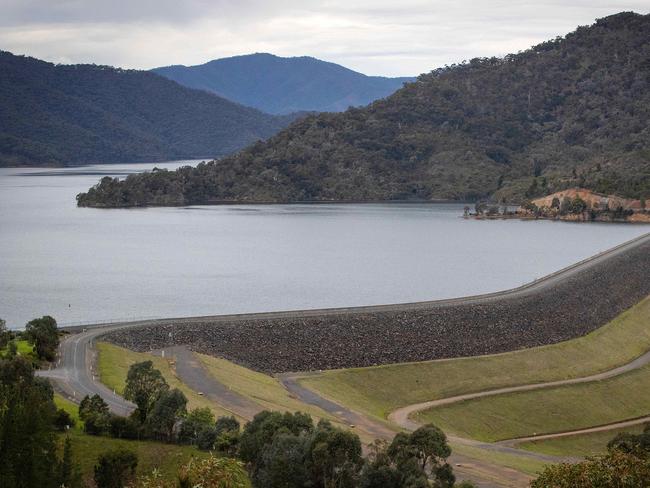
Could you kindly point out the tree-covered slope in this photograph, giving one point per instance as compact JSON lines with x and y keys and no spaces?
{"x":283,"y":85}
{"x":573,"y":111}
{"x":72,"y":114}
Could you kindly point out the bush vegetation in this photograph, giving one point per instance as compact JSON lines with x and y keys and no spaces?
{"x":626,"y":465}
{"x":278,"y":450}
{"x":75,"y":114}
{"x":568,"y":112}
{"x":273,"y":450}
{"x":28,"y":447}
{"x":44,"y":334}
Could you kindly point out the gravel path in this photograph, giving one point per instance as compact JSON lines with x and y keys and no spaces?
{"x":483,"y":474}
{"x":561,"y":306}
{"x":590,"y":430}
{"x":193,"y":374}
{"x":403,"y":416}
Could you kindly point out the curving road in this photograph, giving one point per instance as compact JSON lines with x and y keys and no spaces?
{"x":403,"y":416}
{"x":74,"y":375}
{"x":589,"y":430}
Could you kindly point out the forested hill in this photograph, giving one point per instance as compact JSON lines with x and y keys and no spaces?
{"x":283,"y":85}
{"x":59,"y":115}
{"x":573,"y":111}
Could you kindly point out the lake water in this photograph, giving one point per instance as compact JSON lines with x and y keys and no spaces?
{"x":80,"y":264}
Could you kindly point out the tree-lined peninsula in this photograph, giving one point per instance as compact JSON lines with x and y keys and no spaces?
{"x":569,"y":112}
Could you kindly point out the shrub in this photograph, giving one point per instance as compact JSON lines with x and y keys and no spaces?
{"x":115,"y":469}
{"x":214,"y":472}
{"x":63,"y":420}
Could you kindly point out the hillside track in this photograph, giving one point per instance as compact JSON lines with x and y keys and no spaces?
{"x":192,"y":373}
{"x":403,"y":416}
{"x":623,"y":424}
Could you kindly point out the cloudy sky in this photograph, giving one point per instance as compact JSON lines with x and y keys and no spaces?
{"x":382,"y":37}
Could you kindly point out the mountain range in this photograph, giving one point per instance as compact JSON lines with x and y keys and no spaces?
{"x":78,"y":114}
{"x":280,"y":85}
{"x":572,"y":111}
{"x":74,"y":114}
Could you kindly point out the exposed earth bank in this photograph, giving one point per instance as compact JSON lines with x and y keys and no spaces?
{"x":560,"y":307}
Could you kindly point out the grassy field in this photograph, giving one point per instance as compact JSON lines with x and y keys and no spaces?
{"x":519,"y":463}
{"x":258,"y":387}
{"x":266,"y":390}
{"x":71,"y":408}
{"x":113,"y":363}
{"x":379,"y":390}
{"x":578,"y":445}
{"x":549,"y":410}
{"x":87,"y":448}
{"x":167,"y":458}
{"x":23,"y":348}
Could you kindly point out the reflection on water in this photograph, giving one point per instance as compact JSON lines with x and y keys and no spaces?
{"x":92,"y":264}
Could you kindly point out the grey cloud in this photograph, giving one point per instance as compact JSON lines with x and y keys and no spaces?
{"x":21,"y":12}
{"x":372,"y":36}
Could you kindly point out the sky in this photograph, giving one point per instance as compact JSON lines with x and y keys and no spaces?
{"x":376,"y":37}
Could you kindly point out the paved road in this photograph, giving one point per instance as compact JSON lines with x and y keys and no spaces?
{"x":402,"y":416}
{"x":191,"y":372}
{"x":74,"y":375}
{"x":345,"y":415}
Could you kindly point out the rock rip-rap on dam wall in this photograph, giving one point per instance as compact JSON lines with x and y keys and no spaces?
{"x":562,"y":307}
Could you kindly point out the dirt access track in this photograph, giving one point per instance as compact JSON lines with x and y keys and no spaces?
{"x":558,"y":307}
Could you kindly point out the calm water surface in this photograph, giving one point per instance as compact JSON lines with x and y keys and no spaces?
{"x":80,"y":264}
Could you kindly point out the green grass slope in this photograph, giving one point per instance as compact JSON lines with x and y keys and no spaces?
{"x":379,"y":390}
{"x":166,"y":458}
{"x":578,"y":445}
{"x":113,"y":364}
{"x":549,"y":410}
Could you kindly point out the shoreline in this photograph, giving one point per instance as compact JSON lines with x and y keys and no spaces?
{"x":566,"y":304}
{"x":217,"y":203}
{"x":528,"y":217}
{"x":311,"y":312}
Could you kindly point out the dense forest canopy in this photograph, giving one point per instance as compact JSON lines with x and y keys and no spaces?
{"x":284,"y":85}
{"x":572,"y":111}
{"x":73,"y":114}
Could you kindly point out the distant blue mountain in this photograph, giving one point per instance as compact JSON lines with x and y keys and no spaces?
{"x":283,"y":85}
{"x":79,"y":114}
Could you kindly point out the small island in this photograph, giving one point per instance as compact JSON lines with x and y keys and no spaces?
{"x":573,"y":204}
